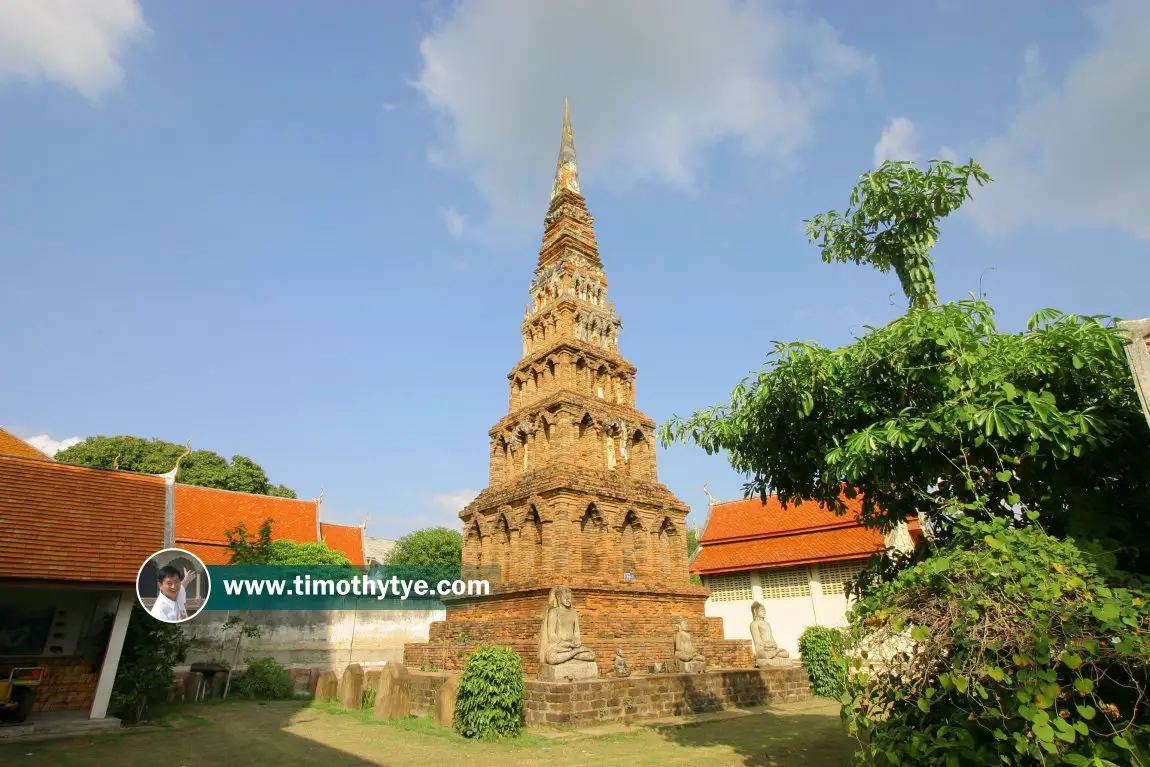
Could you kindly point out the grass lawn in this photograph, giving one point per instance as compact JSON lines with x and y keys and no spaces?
{"x":293,"y":734}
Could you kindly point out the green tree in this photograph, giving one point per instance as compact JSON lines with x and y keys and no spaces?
{"x":892,"y":221}
{"x":692,"y":547}
{"x":939,"y":410}
{"x":153,"y":456}
{"x":144,"y":676}
{"x":435,"y":546}
{"x":262,"y":549}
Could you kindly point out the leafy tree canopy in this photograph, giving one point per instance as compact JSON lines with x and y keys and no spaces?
{"x":153,"y":456}
{"x":892,"y":221}
{"x":262,"y":549}
{"x":429,"y":547}
{"x":940,"y":408}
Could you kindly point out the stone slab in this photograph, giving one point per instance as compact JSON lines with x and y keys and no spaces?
{"x":691,"y":667}
{"x":571,"y":671}
{"x":445,"y":701}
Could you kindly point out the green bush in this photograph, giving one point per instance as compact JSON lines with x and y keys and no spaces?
{"x":1006,"y":646}
{"x":489,"y":703}
{"x":368,"y":700}
{"x":823,"y":652}
{"x":151,"y":649}
{"x":264,"y":679}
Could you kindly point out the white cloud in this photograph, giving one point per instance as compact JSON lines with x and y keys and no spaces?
{"x":49,"y":446}
{"x":1032,"y":81}
{"x":649,"y":93}
{"x":453,"y":502}
{"x":75,"y":43}
{"x":898,"y":142}
{"x":454,"y":221}
{"x":1076,"y":155}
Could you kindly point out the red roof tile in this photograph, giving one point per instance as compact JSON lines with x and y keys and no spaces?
{"x":347,"y":539}
{"x":785,"y":551}
{"x":751,"y":518}
{"x":204,"y":514}
{"x":209,"y":554}
{"x":10,"y":444}
{"x":752,"y":535}
{"x":73,"y":523}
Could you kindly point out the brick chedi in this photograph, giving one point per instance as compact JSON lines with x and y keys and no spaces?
{"x":574,"y":497}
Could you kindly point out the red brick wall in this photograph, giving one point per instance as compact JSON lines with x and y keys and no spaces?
{"x":638,"y":697}
{"x":70,"y":686}
{"x":659,"y":695}
{"x":643,"y":624}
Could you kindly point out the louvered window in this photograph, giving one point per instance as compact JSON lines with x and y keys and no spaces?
{"x":787,"y":582}
{"x":730,"y":587}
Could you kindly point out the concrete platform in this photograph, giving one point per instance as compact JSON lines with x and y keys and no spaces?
{"x":57,"y":724}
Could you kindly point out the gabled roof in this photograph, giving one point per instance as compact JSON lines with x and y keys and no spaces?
{"x":347,"y":539}
{"x":75,"y":523}
{"x":205,"y":514}
{"x":752,"y":535}
{"x":10,"y":444}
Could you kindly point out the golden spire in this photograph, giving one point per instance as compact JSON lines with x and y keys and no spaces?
{"x":566,"y":169}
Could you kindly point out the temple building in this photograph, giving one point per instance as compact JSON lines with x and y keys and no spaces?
{"x":574,"y":498}
{"x":794,"y":561}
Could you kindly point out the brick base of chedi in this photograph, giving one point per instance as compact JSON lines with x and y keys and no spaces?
{"x":574,"y":498}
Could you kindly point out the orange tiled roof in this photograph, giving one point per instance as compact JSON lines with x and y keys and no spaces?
{"x":204,"y":514}
{"x":347,"y":539}
{"x":75,"y":523}
{"x":209,"y":553}
{"x":752,"y":535}
{"x":10,"y":444}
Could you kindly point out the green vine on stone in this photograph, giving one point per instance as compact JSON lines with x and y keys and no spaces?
{"x":823,"y":653}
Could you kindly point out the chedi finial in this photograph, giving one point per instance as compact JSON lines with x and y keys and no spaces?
{"x":567,"y":168}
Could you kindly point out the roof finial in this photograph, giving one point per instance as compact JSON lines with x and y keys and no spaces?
{"x":710,"y":498}
{"x":566,"y":169}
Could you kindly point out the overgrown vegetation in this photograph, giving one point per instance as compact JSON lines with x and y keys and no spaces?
{"x":824,"y":655}
{"x":434,"y":546}
{"x":489,"y":704}
{"x":155,"y":456}
{"x":939,"y":406}
{"x":261,"y":549}
{"x":264,"y":679}
{"x":1002,"y":642}
{"x":1008,"y":646}
{"x":151,"y":649}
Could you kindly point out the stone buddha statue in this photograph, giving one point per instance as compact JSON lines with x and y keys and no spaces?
{"x":562,"y":654}
{"x":767,"y":651}
{"x":621,"y":669}
{"x":687,"y":658}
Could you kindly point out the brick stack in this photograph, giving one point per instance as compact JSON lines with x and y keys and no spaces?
{"x":70,"y":686}
{"x":574,"y":496}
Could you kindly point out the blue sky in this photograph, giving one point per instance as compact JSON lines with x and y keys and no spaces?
{"x":305,"y":234}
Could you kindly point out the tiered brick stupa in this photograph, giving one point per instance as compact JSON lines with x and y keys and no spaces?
{"x":574,"y":497}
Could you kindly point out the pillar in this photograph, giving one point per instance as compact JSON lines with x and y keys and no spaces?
{"x":112,"y":655}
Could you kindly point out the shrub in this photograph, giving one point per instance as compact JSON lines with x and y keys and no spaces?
{"x":264,"y":679}
{"x":823,"y":652}
{"x":1006,"y":646}
{"x":489,"y":703}
{"x":368,"y":701}
{"x":151,"y":649}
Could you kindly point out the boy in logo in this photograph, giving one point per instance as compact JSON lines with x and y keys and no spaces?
{"x":172,"y":603}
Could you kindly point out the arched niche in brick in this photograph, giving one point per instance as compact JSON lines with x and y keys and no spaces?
{"x":671,"y":546}
{"x":501,"y":546}
{"x":591,"y":540}
{"x":531,"y":539}
{"x":473,"y":545}
{"x":631,"y":542}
